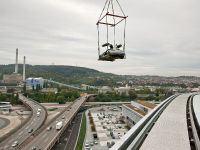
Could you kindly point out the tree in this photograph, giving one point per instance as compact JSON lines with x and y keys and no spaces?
{"x":24,"y":88}
{"x":60,"y":99}
{"x":132,"y":94}
{"x":33,"y":88}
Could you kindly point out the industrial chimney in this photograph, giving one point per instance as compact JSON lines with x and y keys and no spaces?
{"x":16,"y":63}
{"x":24,"y":71}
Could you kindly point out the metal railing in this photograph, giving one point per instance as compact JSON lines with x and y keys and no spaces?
{"x":191,"y":124}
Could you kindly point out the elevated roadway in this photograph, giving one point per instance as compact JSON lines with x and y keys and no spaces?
{"x":196,"y":107}
{"x":170,"y":130}
{"x":62,"y":84}
{"x":47,"y":138}
{"x":170,"y":125}
{"x":29,"y":128}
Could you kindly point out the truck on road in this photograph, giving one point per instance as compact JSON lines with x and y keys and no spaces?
{"x":59,"y":125}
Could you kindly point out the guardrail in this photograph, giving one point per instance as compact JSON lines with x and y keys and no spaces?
{"x":197,"y":123}
{"x":191,"y":123}
{"x":137,"y":134}
{"x":36,"y":131}
{"x":20,"y":126}
{"x":62,"y":130}
{"x":43,"y":108}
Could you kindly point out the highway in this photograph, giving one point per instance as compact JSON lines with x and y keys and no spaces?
{"x":70,"y":136}
{"x":47,"y":138}
{"x":34,"y":123}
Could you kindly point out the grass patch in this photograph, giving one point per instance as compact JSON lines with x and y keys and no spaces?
{"x":79,"y":145}
{"x":52,"y":109}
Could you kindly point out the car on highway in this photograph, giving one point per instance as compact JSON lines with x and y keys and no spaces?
{"x":63,"y":117}
{"x":30,"y":130}
{"x":59,"y":125}
{"x":15,"y":143}
{"x":91,"y":143}
{"x":33,"y":148}
{"x":49,"y":128}
{"x":38,"y":114}
{"x":87,"y":146}
{"x":95,"y":142}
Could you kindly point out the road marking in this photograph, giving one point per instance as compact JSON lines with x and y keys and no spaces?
{"x":44,"y":135}
{"x":6,"y":146}
{"x":46,"y":140}
{"x":69,"y":137}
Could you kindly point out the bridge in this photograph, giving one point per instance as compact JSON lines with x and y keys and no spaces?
{"x":174,"y":125}
{"x":62,"y":84}
{"x":33,"y":124}
{"x":46,"y":139}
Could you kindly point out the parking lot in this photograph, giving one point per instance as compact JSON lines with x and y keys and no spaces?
{"x":105,"y":126}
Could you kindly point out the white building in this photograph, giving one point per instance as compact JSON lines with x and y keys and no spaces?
{"x":135,"y":111}
{"x":195,"y":90}
{"x":105,"y":89}
{"x":33,"y":82}
{"x":123,"y":90}
{"x":5,"y":107}
{"x":87,"y":87}
{"x":3,"y":89}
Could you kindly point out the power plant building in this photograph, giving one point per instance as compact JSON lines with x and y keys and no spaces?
{"x":34,"y":82}
{"x":15,"y":77}
{"x":12,"y":78}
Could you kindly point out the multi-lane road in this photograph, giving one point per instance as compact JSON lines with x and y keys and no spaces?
{"x":34,"y":123}
{"x":70,"y":136}
{"x":47,"y":138}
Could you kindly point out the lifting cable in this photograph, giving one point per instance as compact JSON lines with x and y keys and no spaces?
{"x":107,"y":22}
{"x":113,"y":20}
{"x":124,"y":25}
{"x":108,"y":3}
{"x":98,"y":26}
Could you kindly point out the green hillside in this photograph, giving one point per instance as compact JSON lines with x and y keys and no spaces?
{"x":64,"y":74}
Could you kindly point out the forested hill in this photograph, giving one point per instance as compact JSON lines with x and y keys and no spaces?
{"x":80,"y":75}
{"x":64,"y":74}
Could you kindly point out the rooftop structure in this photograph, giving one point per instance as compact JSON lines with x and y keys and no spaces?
{"x":123,"y":90}
{"x":105,"y":89}
{"x":170,"y":130}
{"x":135,"y":111}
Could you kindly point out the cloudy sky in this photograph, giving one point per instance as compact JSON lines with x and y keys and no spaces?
{"x":163,"y":36}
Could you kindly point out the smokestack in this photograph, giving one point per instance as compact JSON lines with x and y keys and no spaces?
{"x":24,"y":71}
{"x":16,"y":63}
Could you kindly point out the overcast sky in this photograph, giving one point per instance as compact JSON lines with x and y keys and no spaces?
{"x":163,"y":36}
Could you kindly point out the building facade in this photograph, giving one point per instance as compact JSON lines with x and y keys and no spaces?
{"x":135,"y":111}
{"x":34,"y":82}
{"x":12,"y":78}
